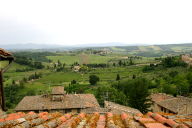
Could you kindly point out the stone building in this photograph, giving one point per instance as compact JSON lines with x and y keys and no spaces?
{"x":58,"y":101}
{"x":169,"y":104}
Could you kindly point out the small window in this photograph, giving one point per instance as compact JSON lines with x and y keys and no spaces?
{"x":162,"y":109}
{"x":67,"y":110}
{"x":78,"y":110}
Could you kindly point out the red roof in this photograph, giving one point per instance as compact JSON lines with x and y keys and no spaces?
{"x":94,"y":120}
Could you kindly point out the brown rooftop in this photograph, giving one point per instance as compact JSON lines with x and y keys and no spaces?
{"x":157,"y":97}
{"x":117,"y":108}
{"x":5,"y":55}
{"x":45,"y":103}
{"x":57,"y":90}
{"x":176,"y":104}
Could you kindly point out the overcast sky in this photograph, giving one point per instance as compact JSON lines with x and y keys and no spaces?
{"x":72,"y":22}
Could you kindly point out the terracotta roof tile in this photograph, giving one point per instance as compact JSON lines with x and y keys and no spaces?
{"x":157,"y":97}
{"x":4,"y":53}
{"x":155,"y":125}
{"x":117,"y":108}
{"x":82,"y":120}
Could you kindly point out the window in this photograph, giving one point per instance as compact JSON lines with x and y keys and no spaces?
{"x":67,"y":110}
{"x":162,"y":109}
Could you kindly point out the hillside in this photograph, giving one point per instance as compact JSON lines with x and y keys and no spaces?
{"x":34,"y":72}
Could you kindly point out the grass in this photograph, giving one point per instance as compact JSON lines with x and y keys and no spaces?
{"x":59,"y":77}
{"x":81,"y":58}
{"x":68,"y":59}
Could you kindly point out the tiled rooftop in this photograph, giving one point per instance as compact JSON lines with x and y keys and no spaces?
{"x":70,"y":101}
{"x":4,"y":53}
{"x":158,"y":97}
{"x":179,"y":104}
{"x":95,"y":120}
{"x":117,"y":108}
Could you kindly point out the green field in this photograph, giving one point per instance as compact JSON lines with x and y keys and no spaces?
{"x":70,"y":59}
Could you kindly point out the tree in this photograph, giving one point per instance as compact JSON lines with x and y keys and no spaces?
{"x":84,"y":68}
{"x":131,"y":62}
{"x":173,"y":73}
{"x":120,"y":63}
{"x":64,"y":65}
{"x":173,"y":61}
{"x":134,"y":76}
{"x":93,"y":79}
{"x":138,"y":94}
{"x":189,"y":78}
{"x":13,"y":82}
{"x":182,"y":85}
{"x":73,"y":82}
{"x":118,"y":77}
{"x":59,"y":63}
{"x":169,"y":89}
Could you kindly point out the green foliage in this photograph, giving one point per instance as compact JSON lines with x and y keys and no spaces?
{"x":120,"y":63}
{"x":35,"y":76}
{"x":169,"y":89}
{"x":24,"y":70}
{"x":73,"y":82}
{"x":29,"y":62}
{"x":93,"y":79}
{"x":137,"y":93}
{"x":177,"y":85}
{"x":11,"y":95}
{"x":173,"y":62}
{"x":77,"y":88}
{"x":173,"y":73}
{"x":134,"y":76}
{"x":84,"y":68}
{"x":182,"y":85}
{"x":149,"y":54}
{"x":118,"y":77}
{"x":189,"y":78}
{"x":148,"y":68}
{"x":36,"y":56}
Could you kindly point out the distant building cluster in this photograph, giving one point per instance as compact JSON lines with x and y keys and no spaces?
{"x":187,"y":58}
